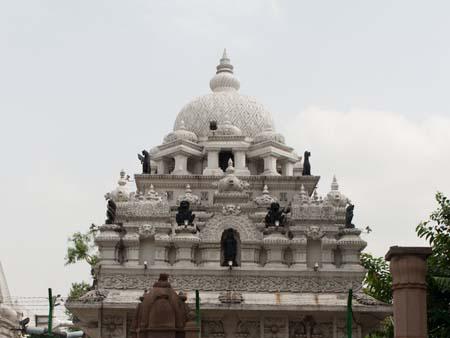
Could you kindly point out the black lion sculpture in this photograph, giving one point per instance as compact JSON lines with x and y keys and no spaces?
{"x":184,"y":215}
{"x":276,"y":215}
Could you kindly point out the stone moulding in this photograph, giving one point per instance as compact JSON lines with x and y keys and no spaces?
{"x":236,"y":283}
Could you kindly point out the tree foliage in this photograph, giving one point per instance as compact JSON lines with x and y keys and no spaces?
{"x":436,"y":230}
{"x":378,"y":284}
{"x":378,"y":280}
{"x":77,"y":290}
{"x":82,"y":248}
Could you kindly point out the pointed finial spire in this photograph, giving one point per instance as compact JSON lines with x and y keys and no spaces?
{"x":334,"y":184}
{"x":315,"y":195}
{"x":224,"y":78}
{"x":265,"y":190}
{"x":224,"y":55}
{"x":302,"y":190}
{"x":230,"y":169}
{"x":188,"y":189}
{"x":224,"y":65}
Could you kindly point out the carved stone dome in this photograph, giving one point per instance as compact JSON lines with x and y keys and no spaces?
{"x":242,"y":111}
{"x":268,"y":134}
{"x":181,"y":133}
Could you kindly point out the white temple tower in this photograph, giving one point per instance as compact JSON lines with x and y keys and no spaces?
{"x":286,"y":281}
{"x":9,"y":316}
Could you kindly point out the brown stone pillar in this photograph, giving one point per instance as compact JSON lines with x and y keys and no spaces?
{"x":408,"y":269}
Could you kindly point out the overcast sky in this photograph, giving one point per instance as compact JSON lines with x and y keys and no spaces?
{"x":85,"y":85}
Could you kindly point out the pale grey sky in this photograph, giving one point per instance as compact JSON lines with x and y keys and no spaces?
{"x":85,"y":85}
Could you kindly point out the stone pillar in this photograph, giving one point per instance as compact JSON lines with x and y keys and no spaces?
{"x":288,"y":169}
{"x":213,"y":163}
{"x":161,"y":250}
{"x":351,"y":246}
{"x":184,"y":243}
{"x":180,"y":165}
{"x":161,"y":168}
{"x":240,"y":168}
{"x":131,"y":242}
{"x":274,"y":245}
{"x":270,"y":166}
{"x":299,"y":253}
{"x":328,"y":246}
{"x":210,"y":254}
{"x":249,"y":255}
{"x":408,"y":269}
{"x":106,"y":241}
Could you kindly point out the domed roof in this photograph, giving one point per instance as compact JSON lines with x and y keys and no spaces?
{"x":268,"y":134}
{"x":224,"y":103}
{"x":228,"y":129}
{"x":180,"y":133}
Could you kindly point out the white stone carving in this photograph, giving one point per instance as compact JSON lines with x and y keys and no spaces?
{"x":189,"y":196}
{"x":265,"y":199}
{"x":181,"y":133}
{"x":243,"y":112}
{"x":146,"y":231}
{"x":231,"y":209}
{"x":231,"y":183}
{"x":120,"y":194}
{"x":294,"y":284}
{"x":113,"y":326}
{"x":314,"y":232}
{"x":231,"y":297}
{"x":219,"y":223}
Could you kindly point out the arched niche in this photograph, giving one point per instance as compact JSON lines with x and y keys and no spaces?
{"x":230,"y":240}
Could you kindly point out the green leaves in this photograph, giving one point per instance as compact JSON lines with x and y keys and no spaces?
{"x":78,"y":289}
{"x":436,"y":230}
{"x":82,"y":247}
{"x":378,"y":280}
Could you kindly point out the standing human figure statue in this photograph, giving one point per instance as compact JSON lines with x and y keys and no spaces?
{"x":111,"y":212}
{"x":229,"y":248}
{"x":349,"y":216}
{"x":306,"y":165}
{"x":145,"y":161}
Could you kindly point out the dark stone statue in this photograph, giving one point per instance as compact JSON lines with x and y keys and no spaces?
{"x":229,"y":248}
{"x":276,"y":213}
{"x":145,"y":161}
{"x":110,"y":212}
{"x":184,"y":214}
{"x":349,"y":216}
{"x":306,"y":165}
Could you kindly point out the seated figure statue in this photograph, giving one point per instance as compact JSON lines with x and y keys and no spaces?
{"x":184,"y":215}
{"x":276,"y":216}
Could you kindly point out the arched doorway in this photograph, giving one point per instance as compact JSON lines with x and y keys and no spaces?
{"x":230,"y":248}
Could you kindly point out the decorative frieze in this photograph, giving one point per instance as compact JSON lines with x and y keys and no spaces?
{"x":234,"y":283}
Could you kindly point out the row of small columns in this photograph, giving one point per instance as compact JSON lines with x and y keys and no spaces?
{"x":210,"y":253}
{"x":270,"y":164}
